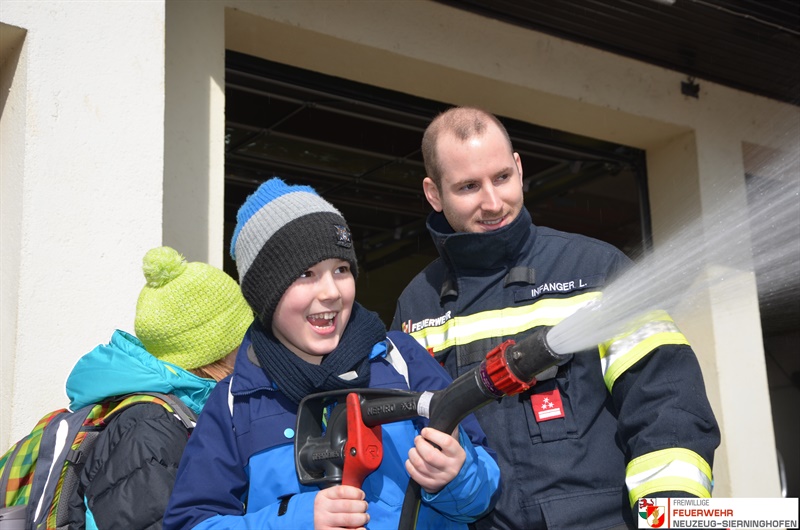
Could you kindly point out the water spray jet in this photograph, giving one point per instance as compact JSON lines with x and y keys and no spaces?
{"x":758,"y":236}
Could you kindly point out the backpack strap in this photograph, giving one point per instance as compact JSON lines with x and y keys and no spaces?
{"x":230,"y":396}
{"x":186,"y":415}
{"x":397,"y":361}
{"x":59,"y":434}
{"x":181,"y":410}
{"x":72,"y":477}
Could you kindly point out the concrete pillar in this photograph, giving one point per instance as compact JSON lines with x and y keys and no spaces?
{"x":194,"y":146}
{"x":696,"y":184}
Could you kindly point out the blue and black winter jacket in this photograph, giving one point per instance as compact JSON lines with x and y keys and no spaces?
{"x":239,"y":462}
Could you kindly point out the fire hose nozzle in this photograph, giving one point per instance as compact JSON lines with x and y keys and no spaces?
{"x":352,"y":437}
{"x":500,"y":374}
{"x":512,"y":367}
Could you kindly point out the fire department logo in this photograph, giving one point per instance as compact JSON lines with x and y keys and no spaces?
{"x":412,"y":327}
{"x":652,"y":512}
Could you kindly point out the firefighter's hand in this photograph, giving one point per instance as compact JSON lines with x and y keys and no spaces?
{"x":340,"y":507}
{"x":434,"y":466}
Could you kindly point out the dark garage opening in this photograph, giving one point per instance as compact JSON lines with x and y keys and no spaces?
{"x":359,"y":147}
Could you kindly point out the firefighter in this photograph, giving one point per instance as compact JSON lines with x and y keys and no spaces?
{"x":628,"y":420}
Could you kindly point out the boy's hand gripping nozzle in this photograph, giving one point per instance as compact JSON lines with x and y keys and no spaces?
{"x":345,"y":453}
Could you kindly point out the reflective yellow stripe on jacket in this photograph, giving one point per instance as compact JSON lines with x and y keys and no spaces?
{"x":500,"y":322}
{"x":668,"y":470}
{"x":621,"y":353}
{"x":673,"y":469}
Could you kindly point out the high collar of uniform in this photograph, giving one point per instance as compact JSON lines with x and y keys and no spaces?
{"x":483,"y":250}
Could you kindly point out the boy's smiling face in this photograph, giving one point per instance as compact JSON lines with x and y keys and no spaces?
{"x":313,"y":312}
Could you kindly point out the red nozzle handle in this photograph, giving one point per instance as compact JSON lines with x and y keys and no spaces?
{"x":500,"y":373}
{"x":363,"y":448}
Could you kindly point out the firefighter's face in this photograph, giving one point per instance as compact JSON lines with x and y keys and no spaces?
{"x":481,"y":183}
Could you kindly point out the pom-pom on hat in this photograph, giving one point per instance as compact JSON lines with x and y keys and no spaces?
{"x":189,"y":314}
{"x":282,"y":231}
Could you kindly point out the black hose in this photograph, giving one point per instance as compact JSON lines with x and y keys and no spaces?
{"x":448,"y":407}
{"x":507,"y":370}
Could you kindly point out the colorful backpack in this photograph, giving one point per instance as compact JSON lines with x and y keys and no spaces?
{"x":44,"y":467}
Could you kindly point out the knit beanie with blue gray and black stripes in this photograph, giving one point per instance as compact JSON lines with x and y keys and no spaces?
{"x":281,"y":232}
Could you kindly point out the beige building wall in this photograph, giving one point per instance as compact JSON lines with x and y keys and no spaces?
{"x":82,"y":152}
{"x":12,"y":149}
{"x":418,"y":47}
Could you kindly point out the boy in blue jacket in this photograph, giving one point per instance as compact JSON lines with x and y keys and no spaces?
{"x":297,"y":270}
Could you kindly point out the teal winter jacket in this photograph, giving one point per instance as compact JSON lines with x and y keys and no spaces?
{"x":129,"y":472}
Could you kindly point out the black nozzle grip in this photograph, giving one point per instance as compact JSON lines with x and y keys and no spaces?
{"x":532,"y":355}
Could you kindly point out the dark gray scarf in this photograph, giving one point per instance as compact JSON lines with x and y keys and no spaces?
{"x":297,"y":378}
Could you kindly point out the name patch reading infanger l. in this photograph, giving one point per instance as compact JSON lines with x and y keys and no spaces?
{"x":558,"y":287}
{"x":578,"y":284}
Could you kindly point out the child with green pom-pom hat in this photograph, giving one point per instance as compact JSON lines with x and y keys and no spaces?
{"x":190,"y":319}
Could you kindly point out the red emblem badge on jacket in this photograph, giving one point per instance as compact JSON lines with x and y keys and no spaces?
{"x":547,"y":405}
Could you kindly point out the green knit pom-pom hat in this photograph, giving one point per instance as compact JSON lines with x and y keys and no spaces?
{"x":189,"y":314}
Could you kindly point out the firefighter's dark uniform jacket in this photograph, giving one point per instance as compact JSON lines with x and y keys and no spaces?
{"x":636,"y":420}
